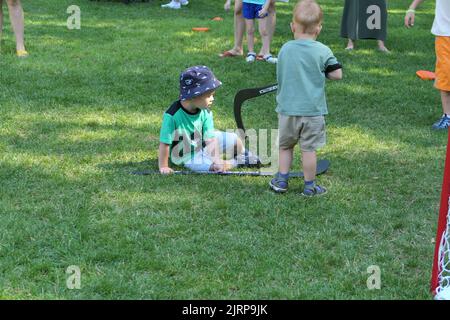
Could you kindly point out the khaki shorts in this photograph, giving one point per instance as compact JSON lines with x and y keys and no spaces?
{"x":443,"y":63}
{"x":308,"y":132}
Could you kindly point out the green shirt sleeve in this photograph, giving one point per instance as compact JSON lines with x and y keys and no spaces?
{"x":167,"y":129}
{"x":331,"y":63}
{"x":208,"y":126}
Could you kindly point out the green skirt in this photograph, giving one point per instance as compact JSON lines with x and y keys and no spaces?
{"x":361,"y":21}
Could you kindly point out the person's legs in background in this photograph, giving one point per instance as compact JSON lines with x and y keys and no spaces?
{"x":442,"y":82}
{"x":381,"y":45}
{"x":445,"y":96}
{"x":265,"y":37}
{"x":17,"y":22}
{"x":266,"y":31}
{"x":270,"y":24}
{"x":239,"y":30}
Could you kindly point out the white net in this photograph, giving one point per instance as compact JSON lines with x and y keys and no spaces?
{"x":443,"y":290}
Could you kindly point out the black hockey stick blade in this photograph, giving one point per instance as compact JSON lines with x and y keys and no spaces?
{"x":245,"y":95}
{"x":322,"y":167}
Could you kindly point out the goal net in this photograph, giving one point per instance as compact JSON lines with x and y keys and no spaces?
{"x":440,"y":279}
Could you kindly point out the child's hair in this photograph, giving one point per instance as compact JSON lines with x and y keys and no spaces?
{"x":308,"y":14}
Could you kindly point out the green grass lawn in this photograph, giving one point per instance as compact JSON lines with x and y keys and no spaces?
{"x":85,"y":109}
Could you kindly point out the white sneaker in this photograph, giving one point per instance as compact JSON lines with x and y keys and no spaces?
{"x":251,"y":57}
{"x":184,"y":3}
{"x":171,"y":5}
{"x":268,"y":58}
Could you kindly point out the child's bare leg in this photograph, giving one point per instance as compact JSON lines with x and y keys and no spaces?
{"x":239,"y":30}
{"x":286,"y":156}
{"x":249,"y":24}
{"x":309,"y":160}
{"x":445,"y":96}
{"x":17,"y":22}
{"x":272,"y":20}
{"x":309,"y":168}
{"x":239,"y":27}
{"x":265,"y":36}
{"x":280,"y":182}
{"x":271,"y":23}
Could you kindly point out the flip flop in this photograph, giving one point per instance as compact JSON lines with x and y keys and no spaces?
{"x":217,"y":19}
{"x":22,"y":53}
{"x":269,"y":58}
{"x":229,"y":54}
{"x":426,"y":75}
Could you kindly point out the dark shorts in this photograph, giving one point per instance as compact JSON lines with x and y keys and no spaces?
{"x":250,"y":10}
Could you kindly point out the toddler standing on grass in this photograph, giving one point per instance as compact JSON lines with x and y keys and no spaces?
{"x":304,"y":64}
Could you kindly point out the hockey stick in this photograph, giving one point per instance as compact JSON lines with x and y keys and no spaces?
{"x":322,"y":167}
{"x":247,"y":94}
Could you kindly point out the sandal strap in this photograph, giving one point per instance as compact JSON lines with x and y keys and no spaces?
{"x":278,"y":177}
{"x":315,"y":190}
{"x":21,"y":53}
{"x":319,"y":189}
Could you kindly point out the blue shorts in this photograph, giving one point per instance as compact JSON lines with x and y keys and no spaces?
{"x":250,"y":10}
{"x":201,"y":162}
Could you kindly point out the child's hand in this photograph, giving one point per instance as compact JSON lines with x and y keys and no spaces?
{"x":165,"y":170}
{"x":227,"y":5}
{"x":409,"y":19}
{"x":263,"y":12}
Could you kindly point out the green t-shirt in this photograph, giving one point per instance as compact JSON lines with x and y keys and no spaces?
{"x":185,"y":132}
{"x":301,"y":72}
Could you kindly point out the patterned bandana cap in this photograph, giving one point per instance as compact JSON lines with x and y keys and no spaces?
{"x":196,"y":81}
